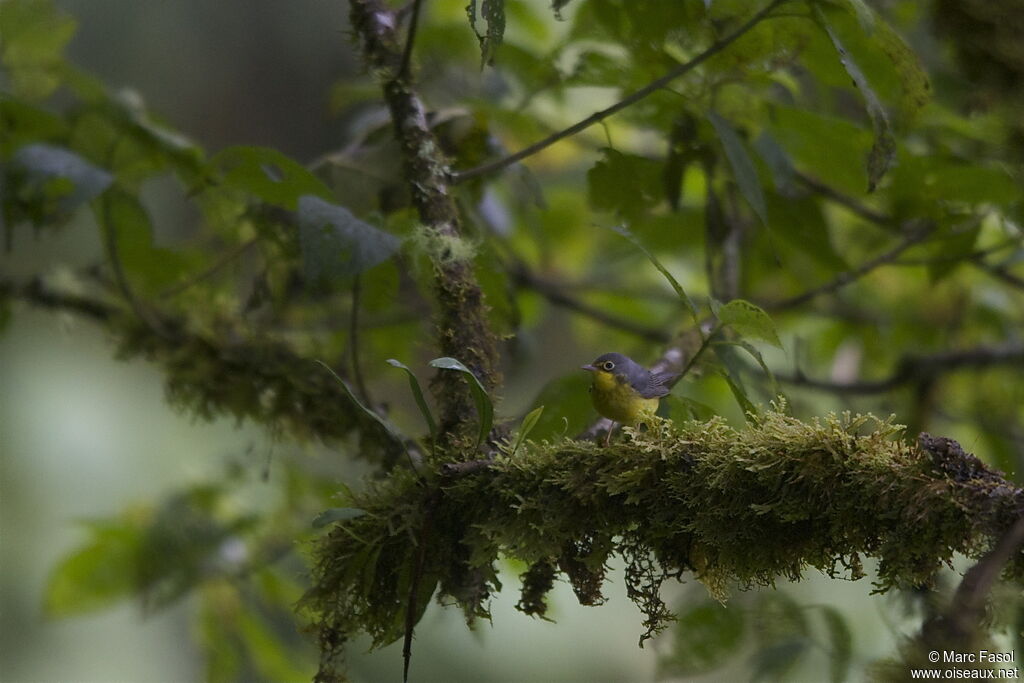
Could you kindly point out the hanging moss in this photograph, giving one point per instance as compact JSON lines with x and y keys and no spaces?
{"x":734,"y":506}
{"x":252,"y":378}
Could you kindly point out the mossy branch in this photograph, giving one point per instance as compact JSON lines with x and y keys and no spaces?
{"x":463,"y":329}
{"x":737,"y":507}
{"x":227,"y":373}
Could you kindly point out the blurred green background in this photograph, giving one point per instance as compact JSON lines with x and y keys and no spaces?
{"x":84,"y":436}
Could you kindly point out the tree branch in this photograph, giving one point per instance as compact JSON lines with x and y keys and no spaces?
{"x":914,"y":235}
{"x":915,"y":368}
{"x":463,"y":329}
{"x":556,"y":295}
{"x":856,"y":207}
{"x":635,"y":97}
{"x":736,"y":506}
{"x":227,"y":373}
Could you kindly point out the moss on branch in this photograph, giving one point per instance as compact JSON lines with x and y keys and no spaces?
{"x":735,"y":506}
{"x":463,"y":328}
{"x":252,"y":378}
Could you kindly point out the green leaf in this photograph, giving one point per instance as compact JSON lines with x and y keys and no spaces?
{"x":97,"y":575}
{"x":627,"y":185}
{"x":395,"y":436}
{"x":680,"y":292}
{"x":337,"y":245}
{"x":568,"y":410}
{"x":23,"y":123}
{"x":706,"y":637}
{"x":883,"y":150}
{"x":493,"y":12}
{"x":756,"y":355}
{"x":739,"y":393}
{"x":417,"y":393}
{"x":950,"y":249}
{"x":683,"y":409}
{"x":771,"y":663}
{"x":841,"y":641}
{"x":742,"y":165}
{"x":778,"y":162}
{"x":748,"y":320}
{"x":32,"y":40}
{"x":484,"y":407}
{"x":148,"y":268}
{"x":914,"y":85}
{"x":529,"y":422}
{"x":826,"y":147}
{"x":268,"y":175}
{"x":42,"y":163}
{"x":331,"y":515}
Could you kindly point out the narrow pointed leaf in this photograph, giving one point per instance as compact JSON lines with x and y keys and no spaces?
{"x":372,"y":415}
{"x":484,"y":407}
{"x":883,"y":151}
{"x":417,"y":393}
{"x":529,"y":422}
{"x":680,"y":292}
{"x":742,"y":165}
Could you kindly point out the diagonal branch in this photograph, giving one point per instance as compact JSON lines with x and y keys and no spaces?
{"x":914,"y":368}
{"x":640,"y":94}
{"x":557,"y":296}
{"x":915,"y":235}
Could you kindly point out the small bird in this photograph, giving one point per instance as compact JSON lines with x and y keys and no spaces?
{"x":625,"y":391}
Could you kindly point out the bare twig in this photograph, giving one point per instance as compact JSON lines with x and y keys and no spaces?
{"x":224,"y":260}
{"x":410,"y":38}
{"x":353,"y":341}
{"x":914,"y":236}
{"x":856,"y":207}
{"x":38,"y":294}
{"x":915,"y":368}
{"x":640,"y":94}
{"x":556,"y":295}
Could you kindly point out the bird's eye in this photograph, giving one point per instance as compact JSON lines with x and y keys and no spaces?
{"x":608,"y":365}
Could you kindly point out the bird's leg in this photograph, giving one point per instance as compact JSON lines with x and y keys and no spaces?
{"x":608,"y":437}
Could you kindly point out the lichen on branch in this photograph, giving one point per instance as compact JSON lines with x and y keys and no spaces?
{"x":463,"y":328}
{"x":737,"y":507}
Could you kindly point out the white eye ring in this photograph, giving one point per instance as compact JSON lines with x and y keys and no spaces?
{"x":608,"y":365}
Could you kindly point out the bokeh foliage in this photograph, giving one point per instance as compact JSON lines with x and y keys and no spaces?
{"x":833,"y":168}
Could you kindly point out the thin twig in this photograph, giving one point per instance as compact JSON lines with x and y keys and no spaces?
{"x":555,"y":294}
{"x":416,"y":579}
{"x":1000,"y":273}
{"x":403,"y":70}
{"x":913,"y":368}
{"x":966,"y":610}
{"x":856,"y":207}
{"x":120,"y":278}
{"x":37,"y":294}
{"x":353,"y":341}
{"x":224,"y":260}
{"x":638,"y":95}
{"x":845,"y":278}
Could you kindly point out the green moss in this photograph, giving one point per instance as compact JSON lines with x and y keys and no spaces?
{"x":442,"y":249}
{"x":736,"y":507}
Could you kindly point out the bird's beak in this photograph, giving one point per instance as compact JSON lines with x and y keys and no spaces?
{"x":588,"y":367}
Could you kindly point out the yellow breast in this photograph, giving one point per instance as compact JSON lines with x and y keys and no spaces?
{"x":618,"y":401}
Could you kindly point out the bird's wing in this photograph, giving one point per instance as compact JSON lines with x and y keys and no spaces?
{"x":657,"y":384}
